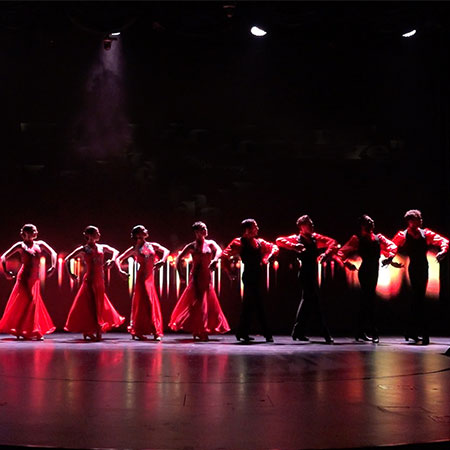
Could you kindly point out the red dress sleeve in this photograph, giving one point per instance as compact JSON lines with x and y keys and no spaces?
{"x":435,"y":240}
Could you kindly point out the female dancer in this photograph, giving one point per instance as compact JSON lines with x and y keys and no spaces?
{"x":145,"y":310}
{"x":198,"y":309}
{"x":92,"y":313}
{"x":25,"y":314}
{"x":369,"y":246}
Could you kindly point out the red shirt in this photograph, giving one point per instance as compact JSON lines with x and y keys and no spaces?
{"x":432,"y":239}
{"x":387,"y":247}
{"x":234,"y":248}
{"x":291,"y":242}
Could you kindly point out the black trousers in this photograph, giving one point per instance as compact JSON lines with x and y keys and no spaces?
{"x":419,"y":314}
{"x":309,"y":306}
{"x":367,"y":312}
{"x":253,"y":305}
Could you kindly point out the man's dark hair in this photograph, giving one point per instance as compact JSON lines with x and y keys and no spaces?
{"x":413,"y":214}
{"x":303,"y":219}
{"x":247,"y":223}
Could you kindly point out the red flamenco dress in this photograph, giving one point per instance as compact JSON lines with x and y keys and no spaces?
{"x":146,"y":315}
{"x":25,"y":313}
{"x":198,"y":309}
{"x":91,"y":310}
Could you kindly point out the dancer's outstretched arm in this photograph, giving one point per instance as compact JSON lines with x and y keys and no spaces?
{"x":186,"y":251}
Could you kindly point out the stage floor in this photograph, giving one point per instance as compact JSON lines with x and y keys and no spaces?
{"x":178,"y":394}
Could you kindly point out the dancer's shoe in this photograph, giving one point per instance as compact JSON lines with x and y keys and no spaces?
{"x":300,"y":337}
{"x":246,"y":338}
{"x":89,"y":336}
{"x":415,"y":338}
{"x":362,"y":337}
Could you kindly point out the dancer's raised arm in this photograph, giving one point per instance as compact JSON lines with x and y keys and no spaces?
{"x":185,"y":252}
{"x":113,"y":251}
{"x":164,"y":257}
{"x":10,"y":252}
{"x":77,"y":252}
{"x":217,"y":254}
{"x":53,"y":254}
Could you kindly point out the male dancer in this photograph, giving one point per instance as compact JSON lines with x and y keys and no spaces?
{"x":415,"y":242}
{"x":254,"y":253}
{"x":369,"y":246}
{"x":307,"y":243}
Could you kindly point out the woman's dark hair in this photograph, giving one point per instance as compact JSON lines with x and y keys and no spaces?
{"x":28,"y":228}
{"x":199,"y":226}
{"x":90,"y":230}
{"x":137,"y":229}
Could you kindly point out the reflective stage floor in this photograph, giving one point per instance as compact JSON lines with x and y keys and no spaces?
{"x":178,"y":394}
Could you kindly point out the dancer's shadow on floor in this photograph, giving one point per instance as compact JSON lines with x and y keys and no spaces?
{"x":89,"y":341}
{"x":195,"y":341}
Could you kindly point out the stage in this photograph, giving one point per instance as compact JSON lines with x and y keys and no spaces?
{"x":221,"y":394}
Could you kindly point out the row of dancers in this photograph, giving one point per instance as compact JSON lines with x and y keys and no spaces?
{"x":198,"y":309}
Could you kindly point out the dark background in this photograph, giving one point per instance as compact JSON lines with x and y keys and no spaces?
{"x":189,"y":117}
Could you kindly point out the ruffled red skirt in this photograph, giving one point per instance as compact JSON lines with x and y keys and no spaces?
{"x":25,"y":313}
{"x":199,"y":311}
{"x":91,"y":310}
{"x":146,"y":315}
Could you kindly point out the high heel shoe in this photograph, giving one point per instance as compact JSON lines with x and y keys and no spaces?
{"x":426,"y":340}
{"x":362,"y":337}
{"x":329,"y":340}
{"x":141,"y":337}
{"x":157,"y":337}
{"x":375,"y":339}
{"x":89,"y":336}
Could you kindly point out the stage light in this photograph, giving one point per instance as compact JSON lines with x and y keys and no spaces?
{"x":115,"y":34}
{"x":229,"y":9}
{"x":257,"y":31}
{"x":409,"y":34}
